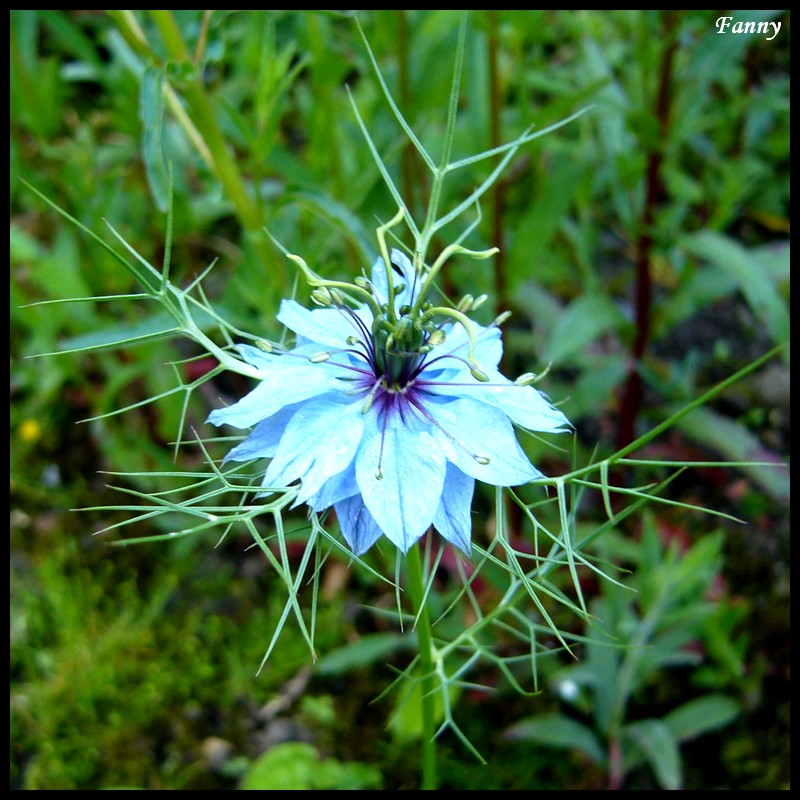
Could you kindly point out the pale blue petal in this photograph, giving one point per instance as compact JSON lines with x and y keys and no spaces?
{"x":263,"y":441}
{"x":358,"y":527}
{"x":335,"y":489}
{"x":487,"y":353}
{"x":469,"y":429}
{"x":408,"y":277}
{"x":400,"y":472}
{"x":522,"y":404}
{"x":453,"y":519}
{"x":279,"y":388}
{"x":525,"y":405}
{"x":319,"y":442}
{"x":328,"y":327}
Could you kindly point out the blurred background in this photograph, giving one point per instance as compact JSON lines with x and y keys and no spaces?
{"x":644,"y":255}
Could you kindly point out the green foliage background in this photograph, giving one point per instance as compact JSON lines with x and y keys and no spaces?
{"x":135,"y":667}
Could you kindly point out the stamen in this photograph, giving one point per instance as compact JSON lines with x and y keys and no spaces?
{"x":370,"y":398}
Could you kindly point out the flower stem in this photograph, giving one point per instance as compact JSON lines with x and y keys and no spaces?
{"x":416,"y":587}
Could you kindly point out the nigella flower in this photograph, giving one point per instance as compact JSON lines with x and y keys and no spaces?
{"x":387,"y":410}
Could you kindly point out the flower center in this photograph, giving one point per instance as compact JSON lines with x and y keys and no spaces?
{"x":399,"y":349}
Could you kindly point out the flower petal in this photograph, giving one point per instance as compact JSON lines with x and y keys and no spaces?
{"x":334,"y":490}
{"x":470,"y":429}
{"x":522,"y":404}
{"x":279,"y":388}
{"x":400,"y":472}
{"x":488,"y":347}
{"x":263,"y":441}
{"x":358,"y":527}
{"x":408,"y":277}
{"x":453,"y":519}
{"x":319,"y":442}
{"x":329,"y":327}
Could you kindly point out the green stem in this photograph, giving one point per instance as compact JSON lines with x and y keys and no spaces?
{"x":223,"y":163}
{"x":416,"y":588}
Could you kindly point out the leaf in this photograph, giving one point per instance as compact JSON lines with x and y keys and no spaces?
{"x":296,"y":765}
{"x":557,"y":730}
{"x":584,"y":320}
{"x":341,"y":217}
{"x":701,"y":715}
{"x":151,"y":112}
{"x":367,"y":650}
{"x":655,"y":740}
{"x":752,"y":278}
{"x":737,"y":443}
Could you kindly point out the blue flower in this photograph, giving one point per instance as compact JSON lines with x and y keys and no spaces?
{"x":387,"y":416}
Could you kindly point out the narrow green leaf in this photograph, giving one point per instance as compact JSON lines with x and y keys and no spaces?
{"x":655,"y":739}
{"x":737,"y":443}
{"x":753,"y":280}
{"x":584,"y":320}
{"x":701,"y":715}
{"x":151,"y":112}
{"x":368,"y":650}
{"x":557,"y":730}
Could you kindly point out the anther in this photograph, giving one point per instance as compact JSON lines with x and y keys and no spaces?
{"x":482,"y":460}
{"x":322,"y":296}
{"x":478,"y":374}
{"x":370,"y":398}
{"x":479,"y":301}
{"x":465,"y":303}
{"x":261,"y":344}
{"x":318,"y":358}
{"x":525,"y":379}
{"x":502,"y":318}
{"x":437,"y":337}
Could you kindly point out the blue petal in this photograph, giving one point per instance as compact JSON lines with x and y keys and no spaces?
{"x":319,"y":442}
{"x":281,"y":387}
{"x":334,"y":490}
{"x":488,"y":347}
{"x":522,"y":404}
{"x":410,"y":280}
{"x":525,"y":405}
{"x":469,"y":429}
{"x":259,"y":358}
{"x":328,"y":327}
{"x":263,"y":441}
{"x":453,"y":518}
{"x":358,"y":527}
{"x":400,"y":471}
